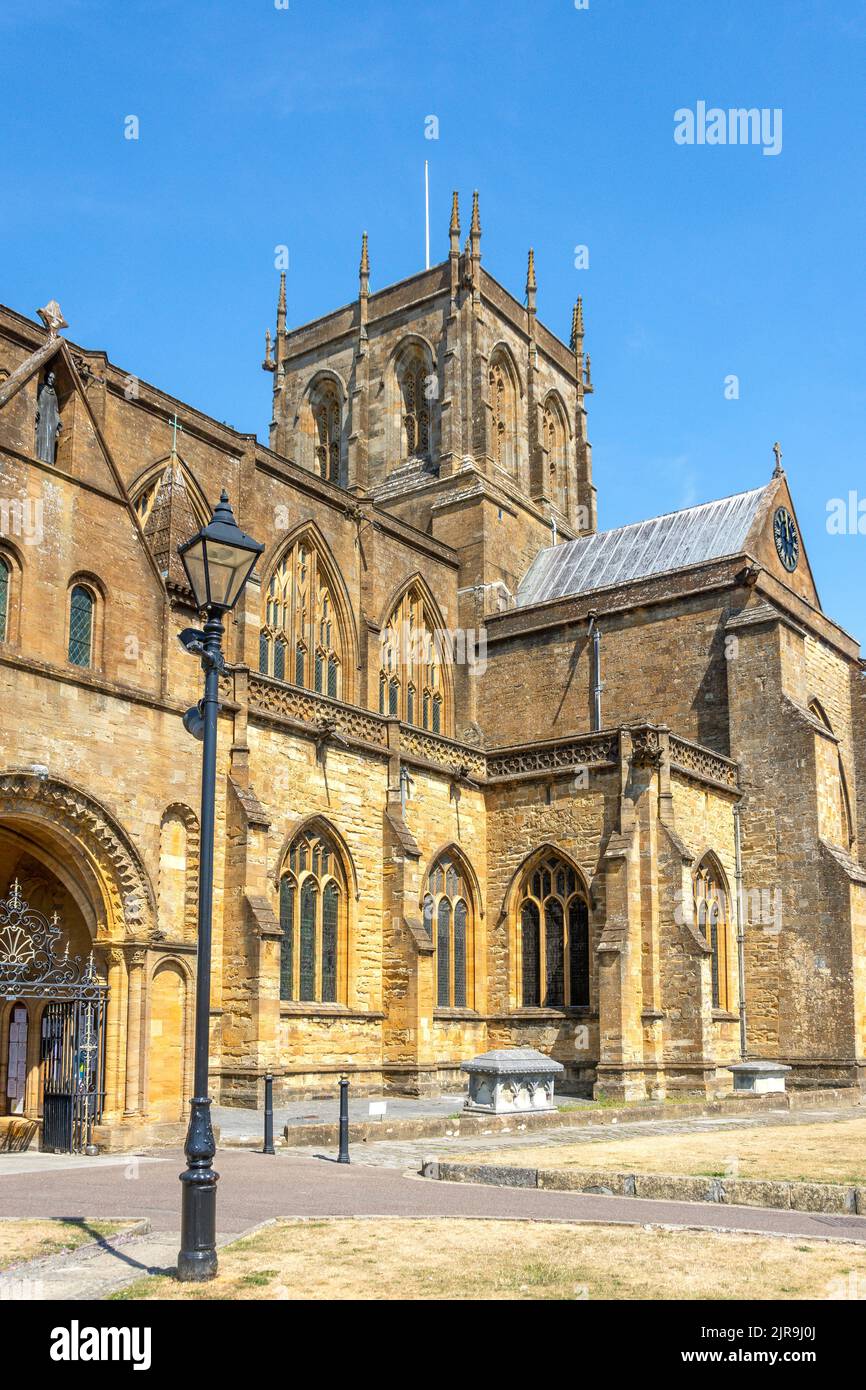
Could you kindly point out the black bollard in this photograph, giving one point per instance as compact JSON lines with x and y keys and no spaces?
{"x":343,"y":1156}
{"x":269,"y":1114}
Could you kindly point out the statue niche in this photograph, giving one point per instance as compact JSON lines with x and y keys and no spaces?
{"x":48,"y":421}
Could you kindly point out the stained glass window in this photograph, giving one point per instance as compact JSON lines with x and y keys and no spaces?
{"x":330,"y":910}
{"x":309,"y":896}
{"x":554,"y":937}
{"x":530,"y":936}
{"x":411,"y":664}
{"x":312,"y":918}
{"x":81,"y":626}
{"x":300,"y":636}
{"x":447,"y":903}
{"x":443,"y":954}
{"x":287,"y":940}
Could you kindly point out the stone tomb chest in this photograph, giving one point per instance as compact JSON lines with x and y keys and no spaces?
{"x":510,"y":1081}
{"x":759,"y":1078}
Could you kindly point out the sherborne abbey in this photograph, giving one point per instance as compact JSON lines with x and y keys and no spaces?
{"x":487,"y":776}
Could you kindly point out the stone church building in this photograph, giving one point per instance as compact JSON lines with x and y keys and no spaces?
{"x":487,"y":776}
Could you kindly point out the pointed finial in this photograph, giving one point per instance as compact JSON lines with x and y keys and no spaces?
{"x":454,"y":228}
{"x":475,"y":227}
{"x":530,"y":282}
{"x":365,"y":256}
{"x":281,"y":302}
{"x":778,"y":470}
{"x":281,"y":309}
{"x":268,"y":364}
{"x":577,"y":325}
{"x":588,"y":379}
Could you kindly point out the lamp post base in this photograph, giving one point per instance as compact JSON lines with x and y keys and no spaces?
{"x":197,"y":1257}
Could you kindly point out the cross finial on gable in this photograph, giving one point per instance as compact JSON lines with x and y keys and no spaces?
{"x":777,"y":450}
{"x":175,"y":426}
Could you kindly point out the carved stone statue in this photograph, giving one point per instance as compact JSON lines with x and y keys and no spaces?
{"x":48,"y":422}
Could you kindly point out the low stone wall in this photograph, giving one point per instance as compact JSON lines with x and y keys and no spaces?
{"x":661,"y":1187}
{"x":471,"y":1123}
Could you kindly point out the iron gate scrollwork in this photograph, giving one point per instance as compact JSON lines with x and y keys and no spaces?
{"x":72,"y":1042}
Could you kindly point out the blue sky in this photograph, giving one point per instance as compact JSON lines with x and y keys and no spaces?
{"x":262,"y":126}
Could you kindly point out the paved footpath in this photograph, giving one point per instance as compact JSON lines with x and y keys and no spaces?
{"x":255,"y":1188}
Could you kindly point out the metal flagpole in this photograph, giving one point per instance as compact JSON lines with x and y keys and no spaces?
{"x":426,"y":216}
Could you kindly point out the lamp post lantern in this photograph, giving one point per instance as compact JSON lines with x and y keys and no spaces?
{"x":218,"y":561}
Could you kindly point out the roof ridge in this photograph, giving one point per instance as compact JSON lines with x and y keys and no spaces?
{"x":677,"y":511}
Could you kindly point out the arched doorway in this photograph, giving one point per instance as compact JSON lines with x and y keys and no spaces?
{"x":52,"y":1047}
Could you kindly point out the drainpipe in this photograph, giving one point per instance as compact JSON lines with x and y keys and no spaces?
{"x":596,"y":669}
{"x":741,"y":935}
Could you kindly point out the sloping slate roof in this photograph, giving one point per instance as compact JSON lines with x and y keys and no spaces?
{"x":663,"y":543}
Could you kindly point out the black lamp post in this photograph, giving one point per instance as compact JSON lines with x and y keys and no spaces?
{"x":218,"y":562}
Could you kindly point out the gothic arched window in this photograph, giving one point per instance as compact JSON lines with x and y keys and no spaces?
{"x":415,"y":375}
{"x":554,"y":437}
{"x":503,"y":412}
{"x":448,"y":919}
{"x":411,"y":679}
{"x":300,"y":638}
{"x":553,"y":913}
{"x":328,"y":423}
{"x":712,"y":920}
{"x":313,"y":915}
{"x":81,"y":607}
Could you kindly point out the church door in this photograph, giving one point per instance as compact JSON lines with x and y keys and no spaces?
{"x":16,"y":1075}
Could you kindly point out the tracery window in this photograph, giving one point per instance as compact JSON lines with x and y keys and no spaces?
{"x":300,"y":639}
{"x":414,"y":374}
{"x":553,"y":916}
{"x":313,"y":908}
{"x":503,"y":404}
{"x":411,"y":680}
{"x":712,"y":918}
{"x":328,"y":422}
{"x":81,"y":606}
{"x":449,"y":922}
{"x":555,"y":445}
{"x":5,"y":586}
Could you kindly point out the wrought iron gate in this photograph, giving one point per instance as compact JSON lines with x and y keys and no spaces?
{"x":72,"y":1044}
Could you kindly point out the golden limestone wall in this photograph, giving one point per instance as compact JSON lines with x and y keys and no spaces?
{"x":695,"y":1032}
{"x":384,"y":1024}
{"x":663,"y":662}
{"x":798,"y":889}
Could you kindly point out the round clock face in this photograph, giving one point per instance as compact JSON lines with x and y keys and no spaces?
{"x":787,"y":538}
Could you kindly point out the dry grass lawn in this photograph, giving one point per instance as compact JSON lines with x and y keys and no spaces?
{"x":834,"y":1152}
{"x":32,"y":1240}
{"x":451,"y":1258}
